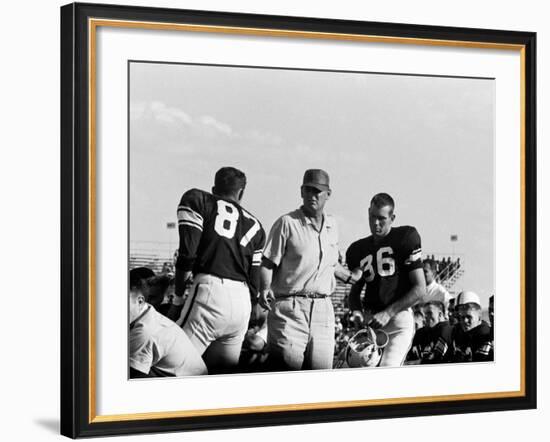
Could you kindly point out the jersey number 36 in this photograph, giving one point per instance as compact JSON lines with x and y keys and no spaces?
{"x":227,"y":220}
{"x":385,"y":264}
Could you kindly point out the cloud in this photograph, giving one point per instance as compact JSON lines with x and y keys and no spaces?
{"x":211,"y":122}
{"x":172,"y":116}
{"x":156,"y":127}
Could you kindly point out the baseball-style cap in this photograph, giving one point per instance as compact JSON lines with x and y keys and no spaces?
{"x":316,"y":178}
{"x":467,"y":297}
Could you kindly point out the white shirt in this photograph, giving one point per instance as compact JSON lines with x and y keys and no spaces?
{"x":436,"y":292}
{"x":305,"y":257}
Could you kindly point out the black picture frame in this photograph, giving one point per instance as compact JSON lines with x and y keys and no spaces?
{"x":77,"y":418}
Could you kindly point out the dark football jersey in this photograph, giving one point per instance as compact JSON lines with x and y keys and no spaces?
{"x":438,"y":347}
{"x":420,"y":340}
{"x":474,"y":345}
{"x":386,"y":265}
{"x":218,"y":237}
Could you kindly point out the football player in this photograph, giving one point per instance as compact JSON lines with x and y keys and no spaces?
{"x":472,"y":337}
{"x":391,"y":264}
{"x":221,"y":246}
{"x":437,"y":347}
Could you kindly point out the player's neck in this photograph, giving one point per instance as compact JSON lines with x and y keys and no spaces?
{"x":378,"y":239}
{"x":231,"y":198}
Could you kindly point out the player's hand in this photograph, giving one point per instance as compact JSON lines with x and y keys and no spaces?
{"x":183,"y":279}
{"x":265,"y":299}
{"x":357,"y":319}
{"x":258,"y":315}
{"x":380,"y":319}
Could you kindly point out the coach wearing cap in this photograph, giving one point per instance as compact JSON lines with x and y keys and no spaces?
{"x":297,"y":279}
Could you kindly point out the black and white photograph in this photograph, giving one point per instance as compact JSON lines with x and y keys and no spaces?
{"x":274,"y":220}
{"x":286,"y":219}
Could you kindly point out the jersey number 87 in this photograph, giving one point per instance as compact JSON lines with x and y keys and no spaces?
{"x":227,"y":219}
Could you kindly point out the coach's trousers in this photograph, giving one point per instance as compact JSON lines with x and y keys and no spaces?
{"x":300,"y":333}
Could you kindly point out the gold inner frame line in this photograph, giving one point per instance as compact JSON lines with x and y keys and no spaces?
{"x":92,"y":33}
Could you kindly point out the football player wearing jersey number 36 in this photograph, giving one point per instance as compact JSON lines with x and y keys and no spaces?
{"x":391,"y":264}
{"x":221,"y":245}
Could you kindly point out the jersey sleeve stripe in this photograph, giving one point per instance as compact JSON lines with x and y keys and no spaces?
{"x":187,"y":214}
{"x":441,"y":347}
{"x":414,"y":256}
{"x":485,"y":349}
{"x":257,"y":258}
{"x":191,"y":224}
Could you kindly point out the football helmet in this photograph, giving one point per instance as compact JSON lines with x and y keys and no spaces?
{"x":365,"y":348}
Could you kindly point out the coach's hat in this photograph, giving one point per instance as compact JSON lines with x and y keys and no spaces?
{"x":317,"y":178}
{"x":467,"y":297}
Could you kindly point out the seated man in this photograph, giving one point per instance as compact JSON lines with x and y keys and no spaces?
{"x":437,"y":347}
{"x":434,"y":290}
{"x":472,"y":339}
{"x":414,"y":356}
{"x":419,"y":320}
{"x":157,"y":346}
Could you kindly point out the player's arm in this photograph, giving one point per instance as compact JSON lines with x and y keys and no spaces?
{"x":355,"y":277}
{"x":258,"y":315}
{"x":355,"y":305}
{"x":484,"y":347}
{"x":413,"y":265}
{"x":347,"y":276}
{"x":190,"y":226}
{"x":418,"y":288}
{"x":254,"y":274}
{"x":141,"y":354}
{"x":266,"y":276}
{"x":441,"y":348}
{"x":272,"y":255}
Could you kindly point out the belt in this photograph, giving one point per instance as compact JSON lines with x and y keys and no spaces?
{"x":310,"y":295}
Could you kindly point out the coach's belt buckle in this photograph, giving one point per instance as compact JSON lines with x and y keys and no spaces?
{"x":313,"y":295}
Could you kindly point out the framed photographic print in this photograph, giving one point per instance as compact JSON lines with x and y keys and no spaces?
{"x":256,"y":206}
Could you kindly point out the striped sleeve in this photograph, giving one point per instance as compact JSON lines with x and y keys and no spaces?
{"x":412,"y":250}
{"x":483,"y":344}
{"x":189,"y":217}
{"x":485,"y":349}
{"x":257,"y":257}
{"x":191,"y":212}
{"x":254,"y":274}
{"x":441,"y":347}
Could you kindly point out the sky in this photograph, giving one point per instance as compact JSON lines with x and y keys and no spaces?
{"x":427,"y":141}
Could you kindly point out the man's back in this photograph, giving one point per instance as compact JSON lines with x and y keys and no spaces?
{"x":229,"y":238}
{"x":159,"y":346}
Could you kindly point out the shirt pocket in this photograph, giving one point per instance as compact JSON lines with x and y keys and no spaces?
{"x":331,"y":250}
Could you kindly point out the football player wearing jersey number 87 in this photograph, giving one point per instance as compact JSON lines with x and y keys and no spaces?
{"x":391,"y":264}
{"x":221,"y":245}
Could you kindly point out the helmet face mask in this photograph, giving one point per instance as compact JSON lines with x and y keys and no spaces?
{"x":365,"y":348}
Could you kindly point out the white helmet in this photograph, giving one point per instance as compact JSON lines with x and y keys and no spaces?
{"x":365,"y":348}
